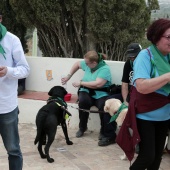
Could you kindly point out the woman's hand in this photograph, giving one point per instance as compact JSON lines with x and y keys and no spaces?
{"x":65,"y":79}
{"x":77,"y":84}
{"x":98,"y":83}
{"x":74,"y":68}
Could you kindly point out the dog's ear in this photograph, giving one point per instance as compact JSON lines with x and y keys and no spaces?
{"x":63,"y":90}
{"x":57,"y":91}
{"x":106,"y":108}
{"x":50,"y":93}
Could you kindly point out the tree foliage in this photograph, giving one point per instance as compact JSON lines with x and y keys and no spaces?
{"x":153,"y":4}
{"x":69,"y":28}
{"x":12,"y":24}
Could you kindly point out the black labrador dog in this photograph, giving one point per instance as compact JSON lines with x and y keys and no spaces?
{"x":48,"y":118}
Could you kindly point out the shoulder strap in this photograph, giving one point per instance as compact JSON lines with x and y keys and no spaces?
{"x":153,"y":71}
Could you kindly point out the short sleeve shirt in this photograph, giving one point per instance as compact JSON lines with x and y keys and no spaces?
{"x":142,"y":69}
{"x":102,"y":72}
{"x":128,"y":72}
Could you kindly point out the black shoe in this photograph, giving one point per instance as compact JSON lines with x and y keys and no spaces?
{"x":79,"y":133}
{"x":106,"y":141}
{"x":101,"y":136}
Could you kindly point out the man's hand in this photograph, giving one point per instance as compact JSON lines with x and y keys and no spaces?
{"x":3,"y":71}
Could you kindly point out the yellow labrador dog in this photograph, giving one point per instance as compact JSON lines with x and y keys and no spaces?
{"x":112,"y":106}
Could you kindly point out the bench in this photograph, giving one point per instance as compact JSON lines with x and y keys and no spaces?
{"x":31,"y":101}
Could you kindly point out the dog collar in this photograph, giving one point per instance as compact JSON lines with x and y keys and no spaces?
{"x":57,"y":99}
{"x":114,"y":117}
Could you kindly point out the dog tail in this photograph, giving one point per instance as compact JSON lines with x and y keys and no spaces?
{"x":37,"y":138}
{"x":35,"y":142}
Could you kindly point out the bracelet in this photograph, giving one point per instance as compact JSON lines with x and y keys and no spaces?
{"x":69,"y":75}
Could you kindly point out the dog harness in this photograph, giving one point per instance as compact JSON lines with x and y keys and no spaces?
{"x":67,"y":114}
{"x":62,"y":104}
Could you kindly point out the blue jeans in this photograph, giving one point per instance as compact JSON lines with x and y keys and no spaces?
{"x":10,"y":137}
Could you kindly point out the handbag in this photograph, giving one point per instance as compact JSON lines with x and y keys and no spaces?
{"x":114,"y":89}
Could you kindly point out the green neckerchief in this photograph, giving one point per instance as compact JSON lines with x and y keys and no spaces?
{"x":162,"y":65}
{"x":59,"y":99}
{"x":60,"y":102}
{"x":3,"y":31}
{"x":101,"y":63}
{"x":114,"y":117}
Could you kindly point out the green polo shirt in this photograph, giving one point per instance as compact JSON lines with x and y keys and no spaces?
{"x":102,"y":72}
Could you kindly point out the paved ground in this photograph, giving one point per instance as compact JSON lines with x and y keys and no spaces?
{"x":84,"y":154}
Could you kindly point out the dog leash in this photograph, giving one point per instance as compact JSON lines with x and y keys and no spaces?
{"x":85,"y":110}
{"x":89,"y":111}
{"x":67,"y":116}
{"x":62,"y":107}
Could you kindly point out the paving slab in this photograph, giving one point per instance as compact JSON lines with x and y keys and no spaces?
{"x":84,"y":154}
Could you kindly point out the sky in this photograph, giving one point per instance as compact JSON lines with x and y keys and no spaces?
{"x":164,"y":1}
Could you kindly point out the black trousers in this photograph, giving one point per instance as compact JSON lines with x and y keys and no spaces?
{"x":153,"y":136}
{"x":85,"y":102}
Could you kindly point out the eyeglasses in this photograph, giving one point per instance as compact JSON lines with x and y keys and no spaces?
{"x":167,"y":37}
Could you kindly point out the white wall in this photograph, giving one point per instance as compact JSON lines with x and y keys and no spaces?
{"x":37,"y":80}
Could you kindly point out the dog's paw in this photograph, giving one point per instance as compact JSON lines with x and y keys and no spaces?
{"x":69,"y":142}
{"x":50,"y":160}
